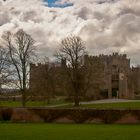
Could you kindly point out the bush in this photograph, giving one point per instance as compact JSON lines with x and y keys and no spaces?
{"x":77,"y":115}
{"x":6,"y":114}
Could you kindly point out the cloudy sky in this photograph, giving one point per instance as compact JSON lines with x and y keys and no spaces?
{"x":106,"y":26}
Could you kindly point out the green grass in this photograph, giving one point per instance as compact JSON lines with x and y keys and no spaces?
{"x":31,"y":103}
{"x":68,"y":132}
{"x":127,"y":105}
{"x":124,"y":105}
{"x":119,"y":105}
{"x":9,"y":103}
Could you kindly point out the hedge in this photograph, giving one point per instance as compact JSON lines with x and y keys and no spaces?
{"x":76,"y":115}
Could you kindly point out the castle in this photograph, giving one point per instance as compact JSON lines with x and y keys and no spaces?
{"x":111,"y":77}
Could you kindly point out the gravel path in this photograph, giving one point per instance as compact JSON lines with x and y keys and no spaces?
{"x":110,"y":101}
{"x":101,"y":101}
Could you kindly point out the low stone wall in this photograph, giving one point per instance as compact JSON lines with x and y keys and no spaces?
{"x":76,"y":115}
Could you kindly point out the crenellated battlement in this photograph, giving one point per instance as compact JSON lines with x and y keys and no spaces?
{"x":110,"y":56}
{"x":114,"y":59}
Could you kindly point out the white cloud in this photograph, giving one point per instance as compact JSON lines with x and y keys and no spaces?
{"x":104,"y":25}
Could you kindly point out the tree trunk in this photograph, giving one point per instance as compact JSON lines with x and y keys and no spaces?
{"x":23,"y":99}
{"x":48,"y":100}
{"x":76,"y":101}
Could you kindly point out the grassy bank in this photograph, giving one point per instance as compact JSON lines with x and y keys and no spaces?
{"x":68,"y":132}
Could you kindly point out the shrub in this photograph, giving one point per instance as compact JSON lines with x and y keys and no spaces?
{"x":77,"y":115}
{"x":6,"y":114}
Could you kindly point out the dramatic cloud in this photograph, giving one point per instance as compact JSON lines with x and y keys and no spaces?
{"x":105,"y":25}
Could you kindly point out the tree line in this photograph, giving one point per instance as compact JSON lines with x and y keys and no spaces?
{"x":17,"y":51}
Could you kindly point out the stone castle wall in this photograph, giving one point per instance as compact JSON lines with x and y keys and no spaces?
{"x":111,"y":76}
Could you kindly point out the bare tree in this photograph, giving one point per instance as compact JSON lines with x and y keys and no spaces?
{"x":72,"y":50}
{"x":5,"y":67}
{"x":21,"y":50}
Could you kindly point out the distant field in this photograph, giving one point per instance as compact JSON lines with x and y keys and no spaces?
{"x":68,"y":132}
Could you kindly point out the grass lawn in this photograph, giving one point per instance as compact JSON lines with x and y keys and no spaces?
{"x":68,"y":132}
{"x":124,"y":105}
{"x":119,"y":105}
{"x":31,"y":103}
{"x":127,"y":105}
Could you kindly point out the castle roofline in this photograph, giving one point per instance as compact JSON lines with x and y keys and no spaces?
{"x":113,"y":55}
